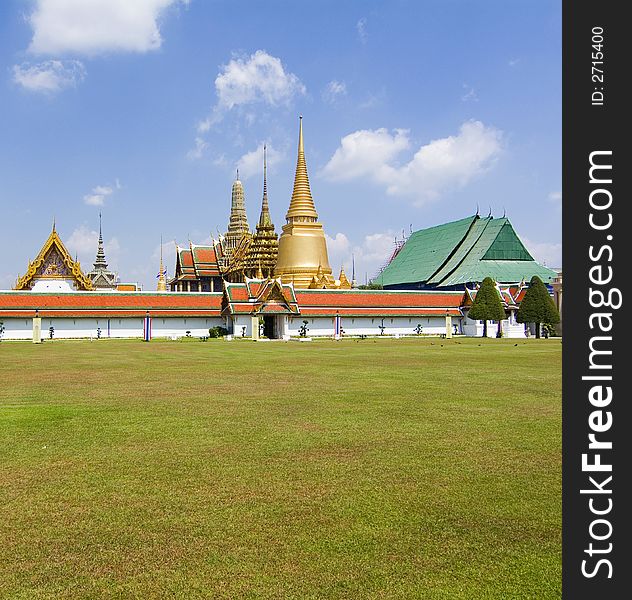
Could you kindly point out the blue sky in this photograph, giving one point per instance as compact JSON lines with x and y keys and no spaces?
{"x":415,"y":112}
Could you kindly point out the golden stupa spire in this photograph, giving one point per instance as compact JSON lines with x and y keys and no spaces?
{"x":302,"y":246}
{"x":162,"y":281}
{"x":301,"y":204}
{"x":264,"y":218}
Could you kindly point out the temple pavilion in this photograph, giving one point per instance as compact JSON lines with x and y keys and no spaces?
{"x":461,"y":254}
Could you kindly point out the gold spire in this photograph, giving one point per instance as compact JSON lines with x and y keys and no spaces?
{"x":162,"y":282}
{"x":343,"y":281}
{"x":261,"y":256}
{"x":302,"y":203}
{"x":302,"y":255}
{"x":265,"y":219}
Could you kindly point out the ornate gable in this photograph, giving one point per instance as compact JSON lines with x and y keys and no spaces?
{"x":257,"y":296}
{"x":54,"y":262}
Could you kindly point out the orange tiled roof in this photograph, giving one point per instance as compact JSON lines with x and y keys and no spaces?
{"x":378,"y":298}
{"x":86,"y":304}
{"x":381,"y":312}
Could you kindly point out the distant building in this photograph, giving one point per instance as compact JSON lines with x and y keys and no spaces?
{"x":54,"y":270}
{"x":102,"y":278}
{"x":462,"y":253}
{"x":197,"y":269}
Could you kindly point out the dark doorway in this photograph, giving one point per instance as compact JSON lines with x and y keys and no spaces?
{"x":268,"y":327}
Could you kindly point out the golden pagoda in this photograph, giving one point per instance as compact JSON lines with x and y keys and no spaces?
{"x":237,"y":225}
{"x":302,"y":246}
{"x":261,"y":254}
{"x":343,"y":281}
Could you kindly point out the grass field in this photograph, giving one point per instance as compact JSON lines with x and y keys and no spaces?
{"x":412,"y":468}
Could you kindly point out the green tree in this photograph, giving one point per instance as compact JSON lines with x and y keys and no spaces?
{"x":487,"y":304}
{"x":537,"y":306}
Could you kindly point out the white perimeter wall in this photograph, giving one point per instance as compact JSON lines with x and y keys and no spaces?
{"x":324,"y":326}
{"x":22,"y":329}
{"x":510,"y":328}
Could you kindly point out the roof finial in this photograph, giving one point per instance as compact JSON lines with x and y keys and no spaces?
{"x":237,"y":178}
{"x":53,"y":222}
{"x":504,"y":212}
{"x":265,"y":185}
{"x":100,"y":236}
{"x":490,"y":212}
{"x":300,"y":134}
{"x":477,"y":209}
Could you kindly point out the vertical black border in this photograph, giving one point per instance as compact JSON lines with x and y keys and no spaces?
{"x":588,"y":128}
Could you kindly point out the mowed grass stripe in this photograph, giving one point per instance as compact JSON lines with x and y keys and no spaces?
{"x":412,"y":468}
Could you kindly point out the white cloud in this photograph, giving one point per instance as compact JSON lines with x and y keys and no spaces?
{"x":198,"y":151}
{"x":361,"y":29}
{"x":251,"y":163}
{"x":334,"y":90}
{"x":91,"y":27}
{"x":436,"y":167}
{"x":338,"y":245}
{"x":84,"y":241}
{"x":260,"y":78}
{"x":364,"y":152}
{"x":555,"y":197}
{"x":369,"y":255}
{"x":469,"y":94}
{"x":50,"y":76}
{"x":546,"y":253}
{"x":98,"y":194}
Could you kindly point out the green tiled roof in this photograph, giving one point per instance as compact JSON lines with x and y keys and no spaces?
{"x":462,"y":252}
{"x":424,"y":252}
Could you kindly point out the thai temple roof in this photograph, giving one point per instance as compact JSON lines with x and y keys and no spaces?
{"x":108,"y":304}
{"x":461,"y":252}
{"x":195,"y":262}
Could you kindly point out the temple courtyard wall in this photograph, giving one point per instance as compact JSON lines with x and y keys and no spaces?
{"x":288,"y":327}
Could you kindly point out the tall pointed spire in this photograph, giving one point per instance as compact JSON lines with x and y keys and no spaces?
{"x":162,"y":280}
{"x":261,"y":256}
{"x":100,"y":262}
{"x":100,"y":276}
{"x":238,"y":222}
{"x":354,"y":283}
{"x":302,"y":245}
{"x":302,"y":203}
{"x":264,"y":218}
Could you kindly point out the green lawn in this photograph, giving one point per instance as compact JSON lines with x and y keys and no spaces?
{"x":412,"y":468}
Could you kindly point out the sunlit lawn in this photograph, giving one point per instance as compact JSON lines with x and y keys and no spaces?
{"x":412,"y":468}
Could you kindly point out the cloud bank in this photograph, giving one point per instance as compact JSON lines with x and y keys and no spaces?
{"x":435,"y":168}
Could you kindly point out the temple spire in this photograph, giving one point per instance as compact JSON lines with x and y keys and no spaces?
{"x":100,"y":276}
{"x":264,"y":219}
{"x":162,"y":280}
{"x":302,"y":203}
{"x":354,"y":283}
{"x":302,"y":255}
{"x":100,"y":262}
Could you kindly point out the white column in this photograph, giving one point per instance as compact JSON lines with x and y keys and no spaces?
{"x":448,"y":326}
{"x":37,"y":330}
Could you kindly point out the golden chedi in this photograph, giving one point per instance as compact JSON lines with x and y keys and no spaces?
{"x":238,"y":224}
{"x":261,"y":256}
{"x":302,"y":246}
